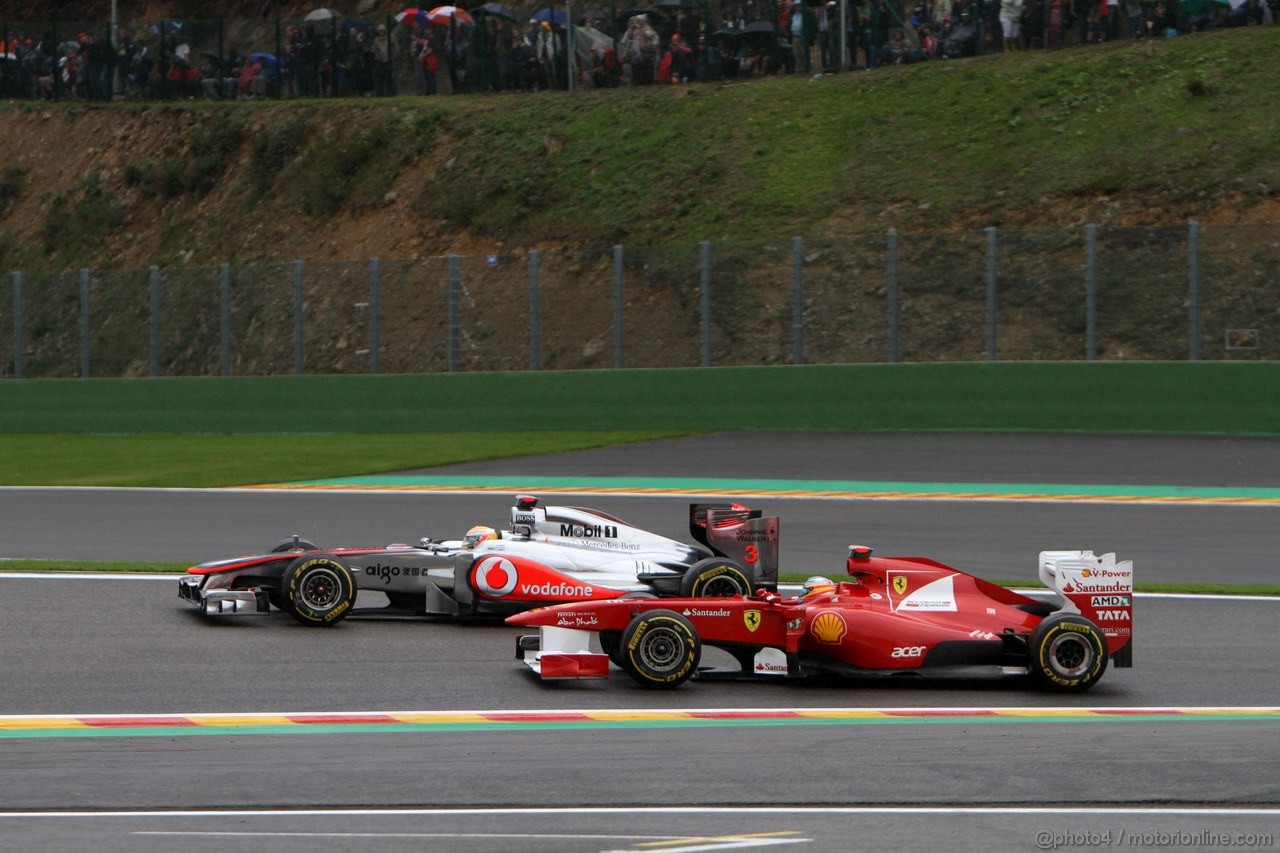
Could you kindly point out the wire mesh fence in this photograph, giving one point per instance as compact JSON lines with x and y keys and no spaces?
{"x":1020,"y":295}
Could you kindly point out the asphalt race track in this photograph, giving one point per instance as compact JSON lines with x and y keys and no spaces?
{"x":1149,"y":780}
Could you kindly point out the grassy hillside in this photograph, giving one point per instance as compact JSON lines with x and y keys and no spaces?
{"x":1131,"y":133}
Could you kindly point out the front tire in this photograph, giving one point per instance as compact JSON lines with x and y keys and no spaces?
{"x":714,"y":576}
{"x":660,"y":649}
{"x":611,"y":645}
{"x":286,"y":545}
{"x":1068,"y":654}
{"x":275,"y":594}
{"x":318,"y":590}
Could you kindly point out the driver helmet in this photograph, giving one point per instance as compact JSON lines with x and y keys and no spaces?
{"x":817,"y":585}
{"x":478,"y":534}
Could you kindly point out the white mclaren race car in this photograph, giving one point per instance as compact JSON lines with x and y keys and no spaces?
{"x":549,"y":555}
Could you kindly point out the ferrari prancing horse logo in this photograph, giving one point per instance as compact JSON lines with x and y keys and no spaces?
{"x":752,"y":619}
{"x":900,"y":584}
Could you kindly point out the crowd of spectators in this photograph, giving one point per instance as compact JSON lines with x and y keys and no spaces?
{"x":498,"y":52}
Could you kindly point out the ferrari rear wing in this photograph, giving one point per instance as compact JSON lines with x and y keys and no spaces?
{"x":1098,"y":588}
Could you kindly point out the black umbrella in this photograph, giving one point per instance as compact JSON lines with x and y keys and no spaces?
{"x":678,"y":4}
{"x":498,"y":10}
{"x":631,"y":13}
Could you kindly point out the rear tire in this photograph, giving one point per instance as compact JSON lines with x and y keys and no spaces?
{"x":1068,"y":654}
{"x":714,"y":576}
{"x":660,"y":649}
{"x":318,"y":590}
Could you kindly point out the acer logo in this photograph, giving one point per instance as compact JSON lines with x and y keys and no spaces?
{"x":907,"y":652}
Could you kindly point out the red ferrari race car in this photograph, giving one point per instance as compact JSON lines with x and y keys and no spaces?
{"x":896,"y":615}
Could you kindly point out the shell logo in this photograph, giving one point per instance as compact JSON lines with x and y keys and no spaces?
{"x":828,"y":626}
{"x":496,"y":576}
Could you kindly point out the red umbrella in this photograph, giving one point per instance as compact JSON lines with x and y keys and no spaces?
{"x":444,"y":14}
{"x":409,"y":17}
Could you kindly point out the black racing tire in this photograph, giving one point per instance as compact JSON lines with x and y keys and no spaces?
{"x":1068,"y":654}
{"x":274,"y":594}
{"x":318,"y":590}
{"x":715,"y":576}
{"x":611,"y":645}
{"x":660,"y":649}
{"x":285,"y":545}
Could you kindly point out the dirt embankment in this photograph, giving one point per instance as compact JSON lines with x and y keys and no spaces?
{"x":197,"y":185}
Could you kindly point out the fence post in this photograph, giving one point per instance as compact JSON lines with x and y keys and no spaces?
{"x":991,"y":293}
{"x":455,"y":282}
{"x":155,"y":321}
{"x":299,"y":353}
{"x":391,"y":58}
{"x":1091,"y":291}
{"x":224,"y":324}
{"x":617,"y":307}
{"x":84,"y":323}
{"x":17,"y":325}
{"x":797,"y":287}
{"x":891,"y":274}
{"x":535,"y":330}
{"x":704,"y":264}
{"x":375,"y":316}
{"x":57,"y":78}
{"x":1193,"y":298}
{"x":279,"y":64}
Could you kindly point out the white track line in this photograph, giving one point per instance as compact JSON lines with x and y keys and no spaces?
{"x":781,"y":811}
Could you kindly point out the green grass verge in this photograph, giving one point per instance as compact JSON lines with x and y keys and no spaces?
{"x":23,"y":565}
{"x":199,"y":461}
{"x":116,"y":566}
{"x":1147,"y":397}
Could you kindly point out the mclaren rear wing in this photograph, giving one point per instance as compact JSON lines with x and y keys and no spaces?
{"x":739,"y":533}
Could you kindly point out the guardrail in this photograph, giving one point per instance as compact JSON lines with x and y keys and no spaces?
{"x":1083,"y":294}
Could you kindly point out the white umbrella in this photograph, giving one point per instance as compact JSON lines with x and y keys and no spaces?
{"x":320,"y":15}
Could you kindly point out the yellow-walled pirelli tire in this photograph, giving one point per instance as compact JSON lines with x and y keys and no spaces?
{"x":275,"y":594}
{"x":1068,"y":654}
{"x":660,"y":649}
{"x":318,"y":589}
{"x":286,"y":545}
{"x":714,"y":576}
